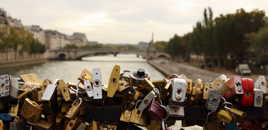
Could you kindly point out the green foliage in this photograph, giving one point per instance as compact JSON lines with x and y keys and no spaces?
{"x":71,"y":46}
{"x":20,"y":40}
{"x":219,"y":38}
{"x":160,"y":45}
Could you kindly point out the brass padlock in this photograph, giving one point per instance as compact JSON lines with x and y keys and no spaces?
{"x":125,"y":116}
{"x":236,"y":111}
{"x":74,"y":108}
{"x":31,"y":110}
{"x":72,"y":124}
{"x":64,"y":90}
{"x":137,"y":117}
{"x":197,"y":89}
{"x":224,"y":116}
{"x":86,"y":75}
{"x":114,"y":81}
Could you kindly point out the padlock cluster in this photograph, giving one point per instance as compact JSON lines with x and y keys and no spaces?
{"x":130,"y":100}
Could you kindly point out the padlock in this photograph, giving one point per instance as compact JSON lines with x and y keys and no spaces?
{"x":64,"y":90}
{"x":14,"y":110}
{"x":49,"y":91}
{"x":125,"y":116}
{"x":234,"y":83}
{"x":123,"y":85}
{"x":86,"y":75}
{"x":179,"y":88}
{"x":31,"y":110}
{"x":236,"y":111}
{"x":189,"y":86}
{"x":260,"y":84}
{"x":175,"y":111}
{"x":74,"y":109}
{"x":197,"y":89}
{"x":224,"y":116}
{"x":214,"y":99}
{"x":146,"y":101}
{"x":42,"y":124}
{"x":247,"y":99}
{"x":88,"y":87}
{"x":4,"y":85}
{"x":207,"y":87}
{"x":137,"y":117}
{"x":72,"y":124}
{"x":149,"y":83}
{"x":97,"y":84}
{"x":14,"y":88}
{"x":258,"y":98}
{"x":108,"y":127}
{"x":1,"y":125}
{"x":114,"y":81}
{"x":31,"y":80}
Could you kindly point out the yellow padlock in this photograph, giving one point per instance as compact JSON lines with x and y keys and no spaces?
{"x":125,"y":116}
{"x":64,"y":90}
{"x":224,"y":116}
{"x":237,"y":112}
{"x":74,"y":108}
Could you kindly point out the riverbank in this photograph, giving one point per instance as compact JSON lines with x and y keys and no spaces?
{"x":24,"y":62}
{"x":167,"y":67}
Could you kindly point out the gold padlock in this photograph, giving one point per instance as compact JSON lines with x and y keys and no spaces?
{"x":64,"y":90}
{"x":189,"y":86}
{"x":224,"y":116}
{"x":72,"y":124}
{"x":74,"y":108}
{"x":137,"y":118}
{"x":207,"y":87}
{"x":86,"y":75}
{"x":31,"y":110}
{"x":237,"y":112}
{"x":125,"y":116}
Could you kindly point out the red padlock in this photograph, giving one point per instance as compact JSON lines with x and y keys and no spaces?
{"x":247,"y":99}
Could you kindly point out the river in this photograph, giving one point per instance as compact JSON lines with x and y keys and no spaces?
{"x":70,"y":70}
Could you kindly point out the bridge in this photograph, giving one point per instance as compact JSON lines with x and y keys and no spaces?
{"x":78,"y":54}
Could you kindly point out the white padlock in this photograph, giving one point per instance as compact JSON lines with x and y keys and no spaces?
{"x":179,"y":88}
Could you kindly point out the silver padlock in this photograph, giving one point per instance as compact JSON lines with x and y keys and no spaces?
{"x":146,"y":101}
{"x":49,"y":91}
{"x":14,"y":87}
{"x":258,"y":98}
{"x":179,"y":88}
{"x":97,"y":84}
{"x":214,"y":99}
{"x":4,"y":85}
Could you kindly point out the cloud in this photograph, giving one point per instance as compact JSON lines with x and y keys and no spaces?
{"x":122,"y":20}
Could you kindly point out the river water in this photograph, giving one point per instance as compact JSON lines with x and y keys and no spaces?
{"x":70,"y":70}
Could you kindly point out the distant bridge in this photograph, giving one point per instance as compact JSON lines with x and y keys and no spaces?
{"x":78,"y":54}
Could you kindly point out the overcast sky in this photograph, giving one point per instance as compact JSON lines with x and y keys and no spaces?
{"x":122,"y":21}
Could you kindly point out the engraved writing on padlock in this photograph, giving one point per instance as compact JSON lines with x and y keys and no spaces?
{"x":74,"y":108}
{"x":4,"y":85}
{"x":214,"y":98}
{"x":258,"y":98}
{"x":179,"y":88}
{"x":97,"y":83}
{"x":146,"y":101}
